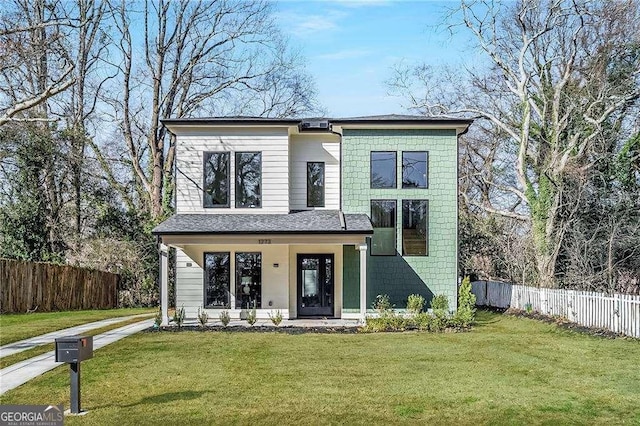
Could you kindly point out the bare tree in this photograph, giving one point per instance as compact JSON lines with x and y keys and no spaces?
{"x":559,"y":76}
{"x":35,"y":64}
{"x":87,"y":46}
{"x":51,"y":49}
{"x":198,"y":58}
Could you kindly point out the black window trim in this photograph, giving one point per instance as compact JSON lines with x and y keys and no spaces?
{"x":324,"y":183}
{"x":204,"y":284}
{"x":204,"y":179}
{"x":235,"y":175}
{"x":235,"y":268}
{"x":395,"y":235}
{"x":401,"y":171}
{"x":395,"y":183}
{"x":426,"y":243}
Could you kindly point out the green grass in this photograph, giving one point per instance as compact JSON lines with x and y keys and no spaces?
{"x":506,"y":371}
{"x":39,"y":350}
{"x":14,"y":327}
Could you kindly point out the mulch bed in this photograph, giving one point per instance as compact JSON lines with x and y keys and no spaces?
{"x":566,"y":324}
{"x":257,"y":329}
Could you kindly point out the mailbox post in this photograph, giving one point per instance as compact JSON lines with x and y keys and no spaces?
{"x":73,"y":350}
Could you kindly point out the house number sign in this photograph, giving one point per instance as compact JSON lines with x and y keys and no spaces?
{"x":264,"y":241}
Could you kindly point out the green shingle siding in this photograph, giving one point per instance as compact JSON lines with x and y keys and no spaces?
{"x":350,"y":279}
{"x":398,"y":276}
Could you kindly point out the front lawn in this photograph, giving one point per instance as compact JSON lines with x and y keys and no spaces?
{"x":507,"y":370}
{"x":14,"y":327}
{"x":39,"y":350}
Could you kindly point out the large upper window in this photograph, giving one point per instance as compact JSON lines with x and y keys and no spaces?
{"x":315,"y":184}
{"x":216,"y":280}
{"x":415,"y":166}
{"x":415,"y":227}
{"x":383,"y":169}
{"x":248,"y":179}
{"x":216,"y":179}
{"x":248,"y":280}
{"x":383,"y":218}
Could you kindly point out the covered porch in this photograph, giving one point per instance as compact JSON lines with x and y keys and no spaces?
{"x":296,"y":264}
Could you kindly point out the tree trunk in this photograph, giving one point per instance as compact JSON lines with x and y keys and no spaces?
{"x":544,"y":210}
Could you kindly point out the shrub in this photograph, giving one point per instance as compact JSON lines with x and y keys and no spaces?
{"x":440,"y":319}
{"x":178,"y":316}
{"x":374,"y":325}
{"x":387,"y":321}
{"x":440,"y":308}
{"x":276,"y":319}
{"x":439,"y":323}
{"x":440,"y":303}
{"x":415,"y":303}
{"x":252,"y":316}
{"x":396,"y":322}
{"x":203,"y":317}
{"x":382,"y":303}
{"x":224,"y":318}
{"x":465,"y":314}
{"x":158,"y":319}
{"x":423,"y":321}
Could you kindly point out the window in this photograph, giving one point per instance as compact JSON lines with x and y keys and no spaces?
{"x":216,"y":280}
{"x":248,"y":280}
{"x":315,"y":184}
{"x":415,"y":169}
{"x":248,"y":179}
{"x":415,"y":229}
{"x":383,"y":217}
{"x":216,"y":179}
{"x":383,"y":169}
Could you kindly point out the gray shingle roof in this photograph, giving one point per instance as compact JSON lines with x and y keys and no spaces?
{"x":304,"y":222}
{"x":402,"y":119}
{"x":394,"y":117}
{"x":248,"y":120}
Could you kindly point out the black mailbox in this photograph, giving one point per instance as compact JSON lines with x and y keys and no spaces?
{"x":74,"y":349}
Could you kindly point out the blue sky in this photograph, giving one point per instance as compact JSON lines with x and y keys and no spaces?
{"x":352,"y":45}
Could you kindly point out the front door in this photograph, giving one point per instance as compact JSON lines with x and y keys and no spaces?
{"x":315,"y":285}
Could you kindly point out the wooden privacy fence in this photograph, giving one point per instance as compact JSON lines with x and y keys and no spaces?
{"x":27,"y":285}
{"x":619,"y":313}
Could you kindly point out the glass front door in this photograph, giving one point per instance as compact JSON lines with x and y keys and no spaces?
{"x":315,"y":285}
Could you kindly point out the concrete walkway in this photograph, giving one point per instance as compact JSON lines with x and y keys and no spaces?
{"x":23,"y":345}
{"x":17,"y":374}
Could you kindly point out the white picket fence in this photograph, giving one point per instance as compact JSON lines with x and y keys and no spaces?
{"x":619,"y":313}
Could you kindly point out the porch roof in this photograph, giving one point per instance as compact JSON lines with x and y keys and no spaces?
{"x":303,"y":222}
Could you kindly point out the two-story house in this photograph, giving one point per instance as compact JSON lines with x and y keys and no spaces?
{"x":312,"y":217}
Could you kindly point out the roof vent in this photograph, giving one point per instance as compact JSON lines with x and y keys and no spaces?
{"x":314,"y":125}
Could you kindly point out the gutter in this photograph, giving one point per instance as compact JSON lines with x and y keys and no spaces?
{"x":339,"y":172}
{"x":269,"y":232}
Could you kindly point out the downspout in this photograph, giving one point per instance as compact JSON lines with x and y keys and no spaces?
{"x":340,"y":169}
{"x":458,"y":277}
{"x":343,"y":225}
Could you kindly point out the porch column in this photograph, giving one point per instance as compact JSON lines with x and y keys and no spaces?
{"x":363,"y":280}
{"x":164,"y":284}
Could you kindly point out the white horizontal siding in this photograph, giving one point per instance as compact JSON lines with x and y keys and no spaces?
{"x":189,"y":284}
{"x":321,"y":148}
{"x":190,"y":149}
{"x":275,"y":279}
